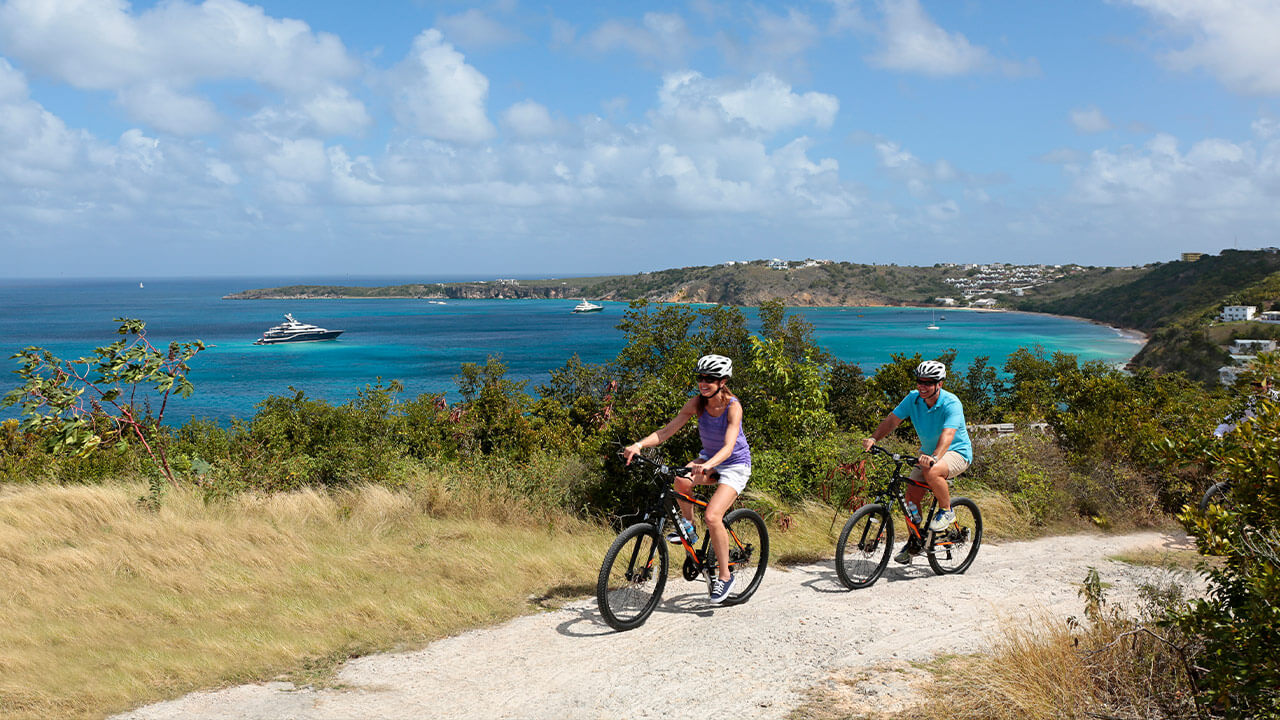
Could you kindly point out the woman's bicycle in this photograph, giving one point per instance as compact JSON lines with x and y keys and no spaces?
{"x":862,"y":551}
{"x":634,"y":572}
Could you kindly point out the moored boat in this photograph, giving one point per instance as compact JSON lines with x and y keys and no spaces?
{"x":293,"y":331}
{"x":587,"y":307}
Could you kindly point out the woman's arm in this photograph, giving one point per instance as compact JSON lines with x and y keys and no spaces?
{"x":659,"y":436}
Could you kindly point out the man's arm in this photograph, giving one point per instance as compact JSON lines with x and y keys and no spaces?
{"x":887,"y":426}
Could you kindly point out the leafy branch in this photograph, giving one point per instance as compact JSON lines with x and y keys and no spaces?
{"x":92,"y":402}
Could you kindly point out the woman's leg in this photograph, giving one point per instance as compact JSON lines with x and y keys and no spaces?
{"x":717,"y":506}
{"x":685,"y":485}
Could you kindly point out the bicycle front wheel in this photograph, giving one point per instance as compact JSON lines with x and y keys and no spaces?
{"x":952,"y":550}
{"x":1218,"y":495}
{"x":863,"y":549}
{"x":748,"y":552}
{"x":632,"y":577}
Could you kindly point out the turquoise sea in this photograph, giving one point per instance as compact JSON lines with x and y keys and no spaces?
{"x":423,"y":344}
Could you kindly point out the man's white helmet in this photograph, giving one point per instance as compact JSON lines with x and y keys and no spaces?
{"x":931,"y":370}
{"x":717,"y":366}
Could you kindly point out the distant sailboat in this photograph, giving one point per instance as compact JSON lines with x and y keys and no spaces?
{"x":139,"y":285}
{"x":933,"y":324}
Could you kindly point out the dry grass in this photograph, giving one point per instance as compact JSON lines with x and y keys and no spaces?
{"x":107,"y":605}
{"x":1043,"y":668}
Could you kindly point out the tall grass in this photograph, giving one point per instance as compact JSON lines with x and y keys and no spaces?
{"x":107,"y":605}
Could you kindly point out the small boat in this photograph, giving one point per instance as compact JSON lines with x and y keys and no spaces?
{"x":933,"y":325}
{"x":139,"y":285}
{"x":587,"y":307}
{"x":293,"y":331}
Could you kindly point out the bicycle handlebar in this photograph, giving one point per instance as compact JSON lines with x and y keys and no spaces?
{"x":682,"y":471}
{"x":896,"y":457}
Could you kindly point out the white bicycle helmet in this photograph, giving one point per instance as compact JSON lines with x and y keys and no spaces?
{"x":931,"y":370}
{"x":717,"y":366}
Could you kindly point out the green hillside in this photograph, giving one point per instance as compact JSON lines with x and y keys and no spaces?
{"x":1174,"y":303}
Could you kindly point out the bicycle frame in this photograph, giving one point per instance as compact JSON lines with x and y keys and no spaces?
{"x":894,"y":492}
{"x":666,"y":509}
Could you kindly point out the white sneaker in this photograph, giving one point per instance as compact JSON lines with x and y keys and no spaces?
{"x":942,"y":520}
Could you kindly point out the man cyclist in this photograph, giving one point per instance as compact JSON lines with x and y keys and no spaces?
{"x":945,"y":450}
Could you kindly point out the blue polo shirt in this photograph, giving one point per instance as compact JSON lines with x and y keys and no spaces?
{"x":929,"y":422}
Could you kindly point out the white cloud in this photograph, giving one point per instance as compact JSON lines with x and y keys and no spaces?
{"x":913,"y":42}
{"x":529,"y":119}
{"x":155,"y":59}
{"x":660,"y":37}
{"x":168,"y":111}
{"x":332,"y":111}
{"x":1214,"y":175}
{"x":1089,"y":120}
{"x":439,"y":95}
{"x":474,"y":29}
{"x":698,"y":107}
{"x":1236,"y":41}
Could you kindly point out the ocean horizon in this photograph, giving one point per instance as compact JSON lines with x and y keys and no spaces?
{"x":423,"y":344}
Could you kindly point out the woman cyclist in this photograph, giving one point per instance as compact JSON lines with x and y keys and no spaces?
{"x":724,"y":449}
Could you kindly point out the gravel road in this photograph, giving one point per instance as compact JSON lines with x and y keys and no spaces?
{"x":691,"y":659}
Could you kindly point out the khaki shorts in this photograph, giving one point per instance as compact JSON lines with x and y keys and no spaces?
{"x":956,"y":464}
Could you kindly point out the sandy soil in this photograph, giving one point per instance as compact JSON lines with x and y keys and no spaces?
{"x":802,"y":630}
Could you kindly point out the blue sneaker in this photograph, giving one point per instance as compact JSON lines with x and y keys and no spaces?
{"x":674,"y":538}
{"x":942,"y":520}
{"x":720,"y":589}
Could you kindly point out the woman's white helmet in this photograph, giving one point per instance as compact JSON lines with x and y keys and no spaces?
{"x":717,"y":366}
{"x":931,"y":370}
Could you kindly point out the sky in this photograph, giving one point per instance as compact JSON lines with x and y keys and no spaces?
{"x":557,"y":138}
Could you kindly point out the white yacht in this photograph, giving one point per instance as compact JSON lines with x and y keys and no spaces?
{"x":293,"y":331}
{"x":586,"y":307}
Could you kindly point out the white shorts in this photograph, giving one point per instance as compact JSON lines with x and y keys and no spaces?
{"x":735,"y":476}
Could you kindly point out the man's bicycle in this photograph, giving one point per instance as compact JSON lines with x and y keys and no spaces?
{"x":634,"y":572}
{"x":866,"y":541}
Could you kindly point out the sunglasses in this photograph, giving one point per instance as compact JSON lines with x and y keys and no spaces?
{"x":707,"y":378}
{"x":929,"y":383}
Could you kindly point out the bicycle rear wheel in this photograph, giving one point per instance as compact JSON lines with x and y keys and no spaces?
{"x":864,"y":545}
{"x":952,"y":550}
{"x":748,"y":552}
{"x":632,"y":577}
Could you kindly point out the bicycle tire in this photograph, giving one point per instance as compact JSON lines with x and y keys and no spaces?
{"x":952,"y":551}
{"x":632,"y":577}
{"x":748,"y":552}
{"x":862,"y":552}
{"x":1216,"y":495}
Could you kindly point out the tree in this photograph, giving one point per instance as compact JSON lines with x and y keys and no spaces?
{"x":80,"y":405}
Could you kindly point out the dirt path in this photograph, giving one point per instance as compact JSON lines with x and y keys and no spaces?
{"x":691,"y":660}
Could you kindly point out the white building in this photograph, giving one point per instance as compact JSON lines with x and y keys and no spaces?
{"x":1270,"y":316}
{"x":1238,"y":312}
{"x":945,"y":301}
{"x":1252,"y":347}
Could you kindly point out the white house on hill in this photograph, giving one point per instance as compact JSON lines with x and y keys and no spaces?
{"x":1238,"y":312}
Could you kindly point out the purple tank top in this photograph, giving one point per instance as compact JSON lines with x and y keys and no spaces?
{"x":711,"y":430}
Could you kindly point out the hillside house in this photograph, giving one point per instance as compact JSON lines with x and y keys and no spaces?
{"x":1232,"y":313}
{"x":1270,"y":316}
{"x":1252,"y":347}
